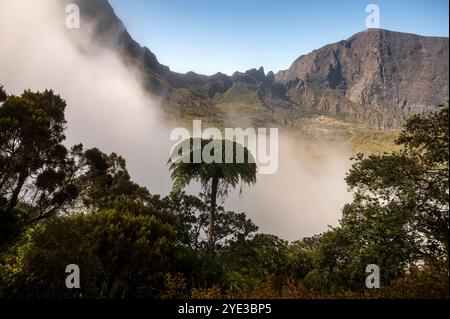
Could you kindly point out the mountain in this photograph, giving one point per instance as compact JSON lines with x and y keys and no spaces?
{"x":376,"y":78}
{"x":390,"y":72}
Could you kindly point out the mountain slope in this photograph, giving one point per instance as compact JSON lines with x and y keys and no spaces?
{"x":387,"y":71}
{"x":376,"y":78}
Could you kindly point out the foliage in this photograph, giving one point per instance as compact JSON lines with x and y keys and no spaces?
{"x":174,"y":286}
{"x":107,"y":181}
{"x":193,"y":216}
{"x":61,"y":206}
{"x":37,"y":171}
{"x":399,"y":216}
{"x":187,"y":163}
{"x":3,"y":94}
{"x":120,"y":254}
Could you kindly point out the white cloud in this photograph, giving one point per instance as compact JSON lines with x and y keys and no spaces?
{"x":108,"y":108}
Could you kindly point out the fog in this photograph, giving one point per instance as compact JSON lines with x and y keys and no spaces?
{"x":306,"y":194}
{"x":107,"y":108}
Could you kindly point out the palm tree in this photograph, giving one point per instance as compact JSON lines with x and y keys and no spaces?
{"x":216,"y":178}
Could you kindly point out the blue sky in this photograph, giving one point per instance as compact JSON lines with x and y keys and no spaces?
{"x":208,"y":36}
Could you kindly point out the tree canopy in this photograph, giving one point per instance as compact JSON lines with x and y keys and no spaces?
{"x":231,"y":164}
{"x":64,"y":205}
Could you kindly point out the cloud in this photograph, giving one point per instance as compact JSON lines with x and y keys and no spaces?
{"x":306,"y":194}
{"x":106,"y":105}
{"x":107,"y":108}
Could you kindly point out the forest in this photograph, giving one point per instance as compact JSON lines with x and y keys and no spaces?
{"x":62,"y":205}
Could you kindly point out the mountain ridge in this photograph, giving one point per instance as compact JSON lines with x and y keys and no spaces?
{"x":386,"y":69}
{"x":377,"y":78}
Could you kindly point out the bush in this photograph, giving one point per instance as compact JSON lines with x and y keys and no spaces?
{"x":417,"y":285}
{"x":120,"y":254}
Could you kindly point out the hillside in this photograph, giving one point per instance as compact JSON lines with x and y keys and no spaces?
{"x":376,"y":79}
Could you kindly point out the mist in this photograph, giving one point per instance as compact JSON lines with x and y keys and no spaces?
{"x":306,"y":194}
{"x":107,"y":108}
{"x":106,"y":105}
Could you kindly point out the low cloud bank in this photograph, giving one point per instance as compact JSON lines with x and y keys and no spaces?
{"x":108,"y":109}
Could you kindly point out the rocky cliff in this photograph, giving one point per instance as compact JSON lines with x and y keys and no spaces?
{"x":390,"y":72}
{"x":376,"y":78}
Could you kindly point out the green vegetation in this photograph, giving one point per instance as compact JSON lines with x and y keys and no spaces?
{"x":374,"y":142}
{"x":61,"y":206}
{"x":217,"y":177}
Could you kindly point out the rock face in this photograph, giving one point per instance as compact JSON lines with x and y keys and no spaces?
{"x":377,"y":77}
{"x":109,"y":31}
{"x":384,"y":70}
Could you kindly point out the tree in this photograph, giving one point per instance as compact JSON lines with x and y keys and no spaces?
{"x":121,"y":253}
{"x":107,"y":181}
{"x":3,"y":95}
{"x":257,"y":259}
{"x":37,"y":171}
{"x":411,"y":184}
{"x":193,"y":215}
{"x":216,"y":177}
{"x":399,"y":216}
{"x":301,"y":256}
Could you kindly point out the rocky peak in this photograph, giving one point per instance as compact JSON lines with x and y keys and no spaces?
{"x":380,"y":68}
{"x":377,"y":76}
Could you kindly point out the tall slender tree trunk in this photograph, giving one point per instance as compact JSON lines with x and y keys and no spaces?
{"x":15,"y":194}
{"x":212,"y":214}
